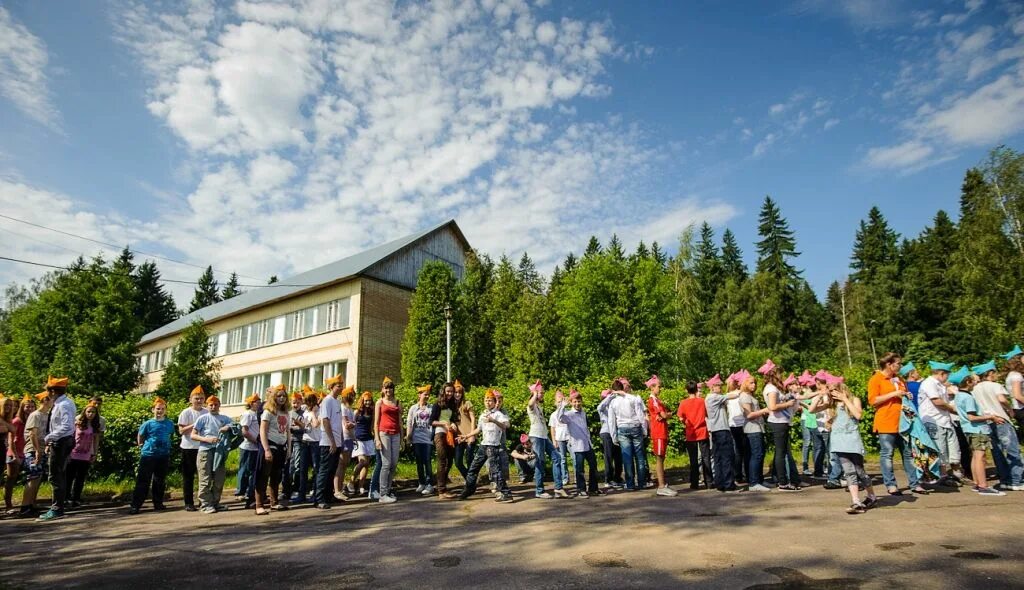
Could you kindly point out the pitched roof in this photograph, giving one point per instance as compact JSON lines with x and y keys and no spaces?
{"x":307,"y":281}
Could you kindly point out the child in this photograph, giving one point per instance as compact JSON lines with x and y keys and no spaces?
{"x":560,"y":439}
{"x":348,"y":416}
{"x":976,"y":426}
{"x":575,"y":421}
{"x":845,"y":441}
{"x":207,"y":431}
{"x":612,"y":452}
{"x":275,"y":439}
{"x":155,"y":439}
{"x":35,"y":463}
{"x":490,"y":426}
{"x":16,"y":449}
{"x":753,"y":429}
{"x":525,"y":458}
{"x":190,"y":448}
{"x":419,"y":435}
{"x":83,"y":454}
{"x":249,"y":461}
{"x":693,"y":414}
{"x":297,"y":478}
{"x":658,"y":417}
{"x":721,"y":437}
{"x":310,"y":447}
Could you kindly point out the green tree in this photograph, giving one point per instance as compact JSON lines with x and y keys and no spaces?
{"x":707,"y":269}
{"x":874,"y":247}
{"x":593,"y":247}
{"x":658,"y":254}
{"x":207,"y":292}
{"x":103,"y":352}
{"x":503,"y":297}
{"x":927,"y":302}
{"x":192,"y":363}
{"x":154,"y":305}
{"x":732,"y":258}
{"x":615,"y":248}
{"x":424,"y":343}
{"x":476,"y":333}
{"x":528,"y":274}
{"x":231,"y":288}
{"x":777,"y":244}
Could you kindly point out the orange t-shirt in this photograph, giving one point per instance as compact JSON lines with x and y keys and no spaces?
{"x":887,"y":416}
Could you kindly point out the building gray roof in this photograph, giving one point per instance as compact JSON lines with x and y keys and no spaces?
{"x":310,"y":280}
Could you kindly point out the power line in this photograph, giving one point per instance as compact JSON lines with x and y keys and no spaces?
{"x":105,"y":271}
{"x":117,"y":247}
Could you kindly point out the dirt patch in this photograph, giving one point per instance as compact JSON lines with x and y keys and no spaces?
{"x":605,"y":560}
{"x":893,"y":546}
{"x":975,"y":555}
{"x":450,"y":561}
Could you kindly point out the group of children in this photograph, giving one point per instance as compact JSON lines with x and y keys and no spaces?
{"x":298,"y":448}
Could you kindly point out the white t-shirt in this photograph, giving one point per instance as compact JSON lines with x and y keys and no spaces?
{"x":561,"y":431}
{"x":313,"y":433}
{"x":1011,"y":378}
{"x":932,"y":389}
{"x":187,"y":417}
{"x":348,"y":415}
{"x":490,"y":433}
{"x":250,"y":420}
{"x":737,"y":418}
{"x":538,"y":423}
{"x":986,"y":394}
{"x":277,"y":427}
{"x":330,"y":412}
{"x":781,"y":416}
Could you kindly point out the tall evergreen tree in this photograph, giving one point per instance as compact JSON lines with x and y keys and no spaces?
{"x":273,"y":279}
{"x":708,"y":272}
{"x":474,"y":328}
{"x":570,"y":263}
{"x":874,"y":247}
{"x":658,"y":254}
{"x":206,"y":291}
{"x":503,"y":295}
{"x":191,"y":364}
{"x":528,"y":274}
{"x":424,"y":343}
{"x":103,"y":355}
{"x":777,"y":245}
{"x":615,"y":248}
{"x":231,"y":288}
{"x":593,"y":247}
{"x":732,"y":258}
{"x":154,"y":305}
{"x":641,"y":251}
{"x":926,"y":305}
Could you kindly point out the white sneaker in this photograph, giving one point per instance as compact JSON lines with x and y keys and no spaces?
{"x":387,"y":499}
{"x":544,"y":496}
{"x":375,"y":495}
{"x":560,"y":493}
{"x":759,"y":488}
{"x":1010,"y":488}
{"x":667,"y":491}
{"x":420,"y":488}
{"x":428,"y":490}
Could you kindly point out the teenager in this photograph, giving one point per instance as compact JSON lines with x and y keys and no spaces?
{"x":60,"y":440}
{"x":492,"y":424}
{"x":542,"y":445}
{"x":693,"y":414}
{"x":87,"y":425}
{"x":844,"y":411}
{"x":525,"y":458}
{"x":992,"y":399}
{"x":886,"y":392}
{"x":331,"y":442}
{"x":154,"y":438}
{"x":443,"y":420}
{"x":782,"y":404}
{"x":207,"y":431}
{"x":575,"y":421}
{"x":753,"y":429}
{"x":612,"y":453}
{"x":250,"y":450}
{"x":420,"y":436}
{"x":627,"y":421}
{"x":813,"y":446}
{"x":387,"y":434}
{"x":465,"y":451}
{"x":310,"y":448}
{"x":275,"y":442}
{"x":347,"y":398}
{"x":737,"y":421}
{"x":297,"y":478}
{"x":1015,"y":386}
{"x":937,"y":413}
{"x":190,"y":448}
{"x":16,"y":450}
{"x":364,"y":449}
{"x":976,"y":425}
{"x":36,"y":461}
{"x":722,"y":448}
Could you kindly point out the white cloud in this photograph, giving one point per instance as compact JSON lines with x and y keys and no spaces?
{"x":23,"y":78}
{"x":830,"y":124}
{"x":862,"y":14}
{"x":762,"y":146}
{"x":983,"y":117}
{"x":777,"y":109}
{"x":905,"y":155}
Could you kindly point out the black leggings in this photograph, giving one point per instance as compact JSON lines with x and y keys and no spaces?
{"x":741,"y":462}
{"x":783,"y":455}
{"x":273,"y":471}
{"x":78,"y":470}
{"x":612,"y":460}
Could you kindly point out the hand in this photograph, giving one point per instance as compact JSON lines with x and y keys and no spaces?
{"x":408,"y":439}
{"x":268,"y":455}
{"x":998,"y":420}
{"x":334,"y":447}
{"x":377,"y":445}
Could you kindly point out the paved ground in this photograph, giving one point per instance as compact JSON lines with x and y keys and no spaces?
{"x":953,"y":539}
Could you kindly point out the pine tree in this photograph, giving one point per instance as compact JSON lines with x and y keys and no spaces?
{"x":777,"y":245}
{"x":528,"y":274}
{"x":732,"y":258}
{"x":874,"y":247}
{"x":615,"y":248}
{"x":191,"y":364}
{"x":926,"y":305}
{"x":593,"y":247}
{"x":707,"y":269}
{"x":231,"y":288}
{"x":474,"y":329}
{"x":424,"y":343}
{"x":657,"y":254}
{"x":125,"y":263}
{"x":641,"y":251}
{"x":570,"y":263}
{"x":503,"y":297}
{"x":155,"y":306}
{"x":206,"y":291}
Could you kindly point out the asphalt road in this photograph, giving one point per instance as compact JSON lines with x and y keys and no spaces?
{"x":949,"y":539}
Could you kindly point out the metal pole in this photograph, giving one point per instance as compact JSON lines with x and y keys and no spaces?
{"x":871,"y":337}
{"x":448,"y":343}
{"x":846,"y":333}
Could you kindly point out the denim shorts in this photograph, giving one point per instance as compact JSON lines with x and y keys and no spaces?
{"x":34,"y":471}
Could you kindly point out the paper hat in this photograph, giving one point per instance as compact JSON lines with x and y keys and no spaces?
{"x":937,"y":366}
{"x":212,"y":400}
{"x":767,"y":367}
{"x":536,"y":387}
{"x":366,"y":395}
{"x":336,"y":380}
{"x":280,"y":387}
{"x":252,"y":399}
{"x":497,"y":394}
{"x":300,"y":395}
{"x":523,"y":439}
{"x":197,"y":389}
{"x":957,"y":377}
{"x":92,"y":404}
{"x":1015,"y":352}
{"x":387,"y":381}
{"x":906,"y":369}
{"x":652,"y":381}
{"x":742,"y":375}
{"x":423,"y":388}
{"x":348,"y":390}
{"x":983,"y":368}
{"x":714,"y":381}
{"x":624,"y":381}
{"x":458,"y":385}
{"x":573,"y":394}
{"x":605,"y":393}
{"x":834,"y":380}
{"x":306,"y":389}
{"x":159,"y":400}
{"x":26,"y":398}
{"x":56,"y":382}
{"x":789,"y":380}
{"x":489,"y":394}
{"x":731,"y":379}
{"x":805,"y":378}
{"x":43,"y":395}
{"x":822,"y":375}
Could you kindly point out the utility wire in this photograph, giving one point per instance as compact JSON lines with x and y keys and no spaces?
{"x":117,"y":247}
{"x":105,"y":271}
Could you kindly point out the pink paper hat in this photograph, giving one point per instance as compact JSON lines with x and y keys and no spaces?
{"x":652,"y":381}
{"x":623,"y":380}
{"x":743,"y":375}
{"x":573,"y":394}
{"x":700,"y":384}
{"x":606,"y":393}
{"x":716,"y":380}
{"x":789,"y":380}
{"x":833,"y":380}
{"x":536,"y":387}
{"x":822,"y":375}
{"x":806,"y":378}
{"x":767,"y":367}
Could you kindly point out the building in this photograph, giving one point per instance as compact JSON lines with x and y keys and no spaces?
{"x":347,"y":318}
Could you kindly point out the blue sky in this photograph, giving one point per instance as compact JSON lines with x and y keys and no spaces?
{"x":269,"y":137}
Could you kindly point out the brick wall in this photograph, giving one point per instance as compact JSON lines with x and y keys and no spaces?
{"x":383,"y":315}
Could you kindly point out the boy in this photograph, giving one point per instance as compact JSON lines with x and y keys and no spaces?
{"x":249,"y":462}
{"x":992,"y":399}
{"x":190,"y":448}
{"x":976,"y":426}
{"x":659,"y":434}
{"x":490,"y":427}
{"x":575,"y":422}
{"x":206,"y":432}
{"x":526,"y":459}
{"x":717,"y":421}
{"x":155,"y":439}
{"x":693,"y":414}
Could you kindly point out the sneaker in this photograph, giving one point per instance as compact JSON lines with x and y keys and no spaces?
{"x":732,"y":489}
{"x":544,"y":496}
{"x":981,"y":492}
{"x":375,"y":495}
{"x":50,"y":514}
{"x":221,"y":508}
{"x":857,"y":508}
{"x":560,"y":493}
{"x":190,"y":508}
{"x":806,"y":471}
{"x":607,"y":485}
{"x":759,"y":488}
{"x":323,"y":506}
{"x":649,"y":485}
{"x":583,"y":494}
{"x":505,"y":498}
{"x":1010,"y":488}
{"x":788,"y":488}
{"x":133,"y":510}
{"x":428,"y":490}
{"x":387,"y":499}
{"x":420,"y":488}
{"x":832,"y":485}
{"x":666,"y":491}
{"x":208,"y":510}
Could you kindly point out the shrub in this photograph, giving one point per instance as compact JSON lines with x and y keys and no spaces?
{"x":119,"y":451}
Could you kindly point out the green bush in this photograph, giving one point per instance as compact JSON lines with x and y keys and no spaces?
{"x":119,"y":451}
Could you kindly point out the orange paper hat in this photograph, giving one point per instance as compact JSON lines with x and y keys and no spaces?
{"x":298,"y":395}
{"x":306,"y":390}
{"x":387,"y":381}
{"x":158,"y":400}
{"x":198,"y":389}
{"x":423,"y":389}
{"x":333,"y":381}
{"x":280,"y":387}
{"x":92,"y":404}
{"x":212,"y":400}
{"x":349,"y":389}
{"x":366,"y":395}
{"x":26,"y":398}
{"x":57,"y":382}
{"x":43,"y":395}
{"x":252,"y":399}
{"x":458,"y":385}
{"x":489,"y":394}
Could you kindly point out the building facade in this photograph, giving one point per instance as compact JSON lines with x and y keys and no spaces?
{"x":346,"y":318}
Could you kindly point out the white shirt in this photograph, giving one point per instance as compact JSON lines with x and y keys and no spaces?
{"x":538,"y":423}
{"x":985,"y":393}
{"x":602,"y":413}
{"x":188,"y":417}
{"x":931,"y":389}
{"x":561,"y":432}
{"x":330,"y":412}
{"x":737,"y":418}
{"x":490,"y":433}
{"x":576,"y":428}
{"x":313,"y":433}
{"x":251,"y":421}
{"x":780,"y":416}
{"x":626,"y":410}
{"x":347,"y":415}
{"x":62,"y":419}
{"x":1011,"y":378}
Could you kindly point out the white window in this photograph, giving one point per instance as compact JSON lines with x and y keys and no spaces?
{"x":279,"y":329}
{"x":142,"y":363}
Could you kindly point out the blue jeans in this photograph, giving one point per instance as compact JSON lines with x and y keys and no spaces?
{"x":820,"y":451}
{"x":248,"y":467}
{"x":755,"y":473}
{"x":543,"y":447}
{"x":1006,"y":454}
{"x":631,"y":440}
{"x":567,"y":457}
{"x":805,"y":452}
{"x":325,"y":475}
{"x":888,"y":443}
{"x":424,"y":463}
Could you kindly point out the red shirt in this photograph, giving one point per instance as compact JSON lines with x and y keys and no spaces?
{"x":18,"y":450}
{"x":659,"y":425}
{"x":694,"y":414}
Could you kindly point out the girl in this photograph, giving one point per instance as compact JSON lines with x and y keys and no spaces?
{"x":348,"y":395}
{"x":364,"y":449}
{"x":35,"y":453}
{"x":753,"y":429}
{"x":419,"y":435}
{"x":249,"y":461}
{"x":737,"y":423}
{"x":612,"y":452}
{"x":387,"y":432}
{"x":781,"y":405}
{"x":844,"y":412}
{"x":82,"y":455}
{"x":310,"y":445}
{"x":8,"y":409}
{"x":442,"y":418}
{"x":465,"y":423}
{"x":155,"y":439}
{"x":15,"y":445}
{"x":275,"y":440}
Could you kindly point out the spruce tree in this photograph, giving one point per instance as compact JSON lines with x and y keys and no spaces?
{"x":528,"y":274}
{"x":732,"y":258}
{"x":707,"y":268}
{"x":503,"y":297}
{"x":641,"y":251}
{"x":154,"y":305}
{"x":231,"y":288}
{"x":570,"y":263}
{"x":593,"y":247}
{"x":206,"y":291}
{"x":103,"y":355}
{"x":474,"y":329}
{"x":777,"y":245}
{"x":424,"y":343}
{"x":874,"y":247}
{"x":658,"y":254}
{"x":615,"y":248}
{"x":191,"y":364}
